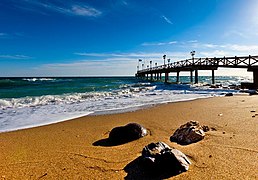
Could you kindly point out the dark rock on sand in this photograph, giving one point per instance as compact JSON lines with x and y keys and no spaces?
{"x":159,"y":157}
{"x":205,"y":128}
{"x":188,"y":133}
{"x":127,"y":133}
{"x":229,"y":94}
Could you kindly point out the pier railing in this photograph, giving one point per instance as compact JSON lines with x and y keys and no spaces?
{"x":230,"y":62}
{"x":195,"y":64}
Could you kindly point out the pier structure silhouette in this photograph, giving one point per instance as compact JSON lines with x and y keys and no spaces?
{"x":194,"y":65}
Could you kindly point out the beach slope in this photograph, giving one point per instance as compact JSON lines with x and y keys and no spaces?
{"x":78,"y":149}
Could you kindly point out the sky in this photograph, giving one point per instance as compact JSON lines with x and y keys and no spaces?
{"x":107,"y":37}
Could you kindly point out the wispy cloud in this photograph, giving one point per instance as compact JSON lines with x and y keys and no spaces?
{"x":166,"y":19}
{"x":73,"y":8}
{"x":4,"y":36}
{"x":192,"y":41}
{"x":130,"y":56}
{"x":14,"y":57}
{"x":159,"y":43}
{"x":84,"y":11}
{"x":235,"y":33}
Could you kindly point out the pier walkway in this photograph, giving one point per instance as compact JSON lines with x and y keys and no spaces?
{"x":196,"y":64}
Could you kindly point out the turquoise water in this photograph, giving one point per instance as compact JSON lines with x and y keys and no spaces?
{"x":30,"y":102}
{"x":22,"y":87}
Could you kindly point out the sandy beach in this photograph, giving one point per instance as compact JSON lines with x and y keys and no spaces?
{"x":68,"y":150}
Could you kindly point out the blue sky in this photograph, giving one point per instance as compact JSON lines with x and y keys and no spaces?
{"x":107,"y":37}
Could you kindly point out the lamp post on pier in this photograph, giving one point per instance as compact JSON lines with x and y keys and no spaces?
{"x":192,"y":54}
{"x":139,"y":60}
{"x":196,"y":70}
{"x":169,"y":60}
{"x":164,"y":57}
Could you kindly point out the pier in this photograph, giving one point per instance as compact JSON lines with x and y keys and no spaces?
{"x":194,"y":65}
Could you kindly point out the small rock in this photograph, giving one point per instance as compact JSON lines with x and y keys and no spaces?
{"x":252,"y":92}
{"x":188,"y":133}
{"x":224,"y":132}
{"x":253,"y":110}
{"x":127,"y":133}
{"x":205,"y":128}
{"x":160,"y":157}
{"x":220,"y":114}
{"x":253,"y":116}
{"x":229,"y":94}
{"x":213,"y":129}
{"x":210,"y":156}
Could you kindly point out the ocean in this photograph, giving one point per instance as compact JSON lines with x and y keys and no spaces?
{"x":31,"y":102}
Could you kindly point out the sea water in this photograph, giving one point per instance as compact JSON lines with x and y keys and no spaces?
{"x":30,"y":102}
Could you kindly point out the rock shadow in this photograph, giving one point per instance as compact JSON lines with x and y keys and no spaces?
{"x":135,"y":171}
{"x":107,"y":142}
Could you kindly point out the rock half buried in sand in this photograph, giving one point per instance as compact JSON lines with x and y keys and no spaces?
{"x":159,"y":157}
{"x":127,"y":133}
{"x":188,"y":133}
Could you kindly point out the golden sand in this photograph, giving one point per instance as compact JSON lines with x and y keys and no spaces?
{"x":65,"y":150}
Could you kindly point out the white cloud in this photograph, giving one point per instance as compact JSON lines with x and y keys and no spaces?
{"x":192,"y":41}
{"x":235,"y":33}
{"x":166,"y":19}
{"x":158,"y":43}
{"x":134,"y":56}
{"x":4,"y":35}
{"x":64,"y":7}
{"x":15,"y":57}
{"x":85,"y":11}
{"x":103,"y":64}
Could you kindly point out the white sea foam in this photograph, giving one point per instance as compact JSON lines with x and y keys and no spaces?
{"x":20,"y":113}
{"x":38,"y":79}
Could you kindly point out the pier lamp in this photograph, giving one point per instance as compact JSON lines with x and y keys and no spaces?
{"x":150,"y":63}
{"x":156,"y":64}
{"x":137,"y":68}
{"x":139,"y":60}
{"x":168,"y":61}
{"x":142,"y":66}
{"x":192,"y":54}
{"x":164,"y":57}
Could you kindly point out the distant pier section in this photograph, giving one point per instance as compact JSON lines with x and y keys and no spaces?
{"x":194,"y":65}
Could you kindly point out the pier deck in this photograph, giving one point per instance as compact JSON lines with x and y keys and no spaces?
{"x":196,"y":64}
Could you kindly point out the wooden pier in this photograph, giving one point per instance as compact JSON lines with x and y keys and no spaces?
{"x":197,"y":64}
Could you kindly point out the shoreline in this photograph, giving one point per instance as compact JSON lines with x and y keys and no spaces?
{"x":105,"y":112}
{"x":66,"y":150}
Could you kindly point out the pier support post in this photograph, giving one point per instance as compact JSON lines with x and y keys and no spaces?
{"x":191,"y":76}
{"x":196,"y":76}
{"x":212,"y":76}
{"x":166,"y":77}
{"x":255,"y":77}
{"x":147,"y":77}
{"x":177,"y":76}
{"x":151,"y":77}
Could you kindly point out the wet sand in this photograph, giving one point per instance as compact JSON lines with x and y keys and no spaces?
{"x":67,"y":150}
